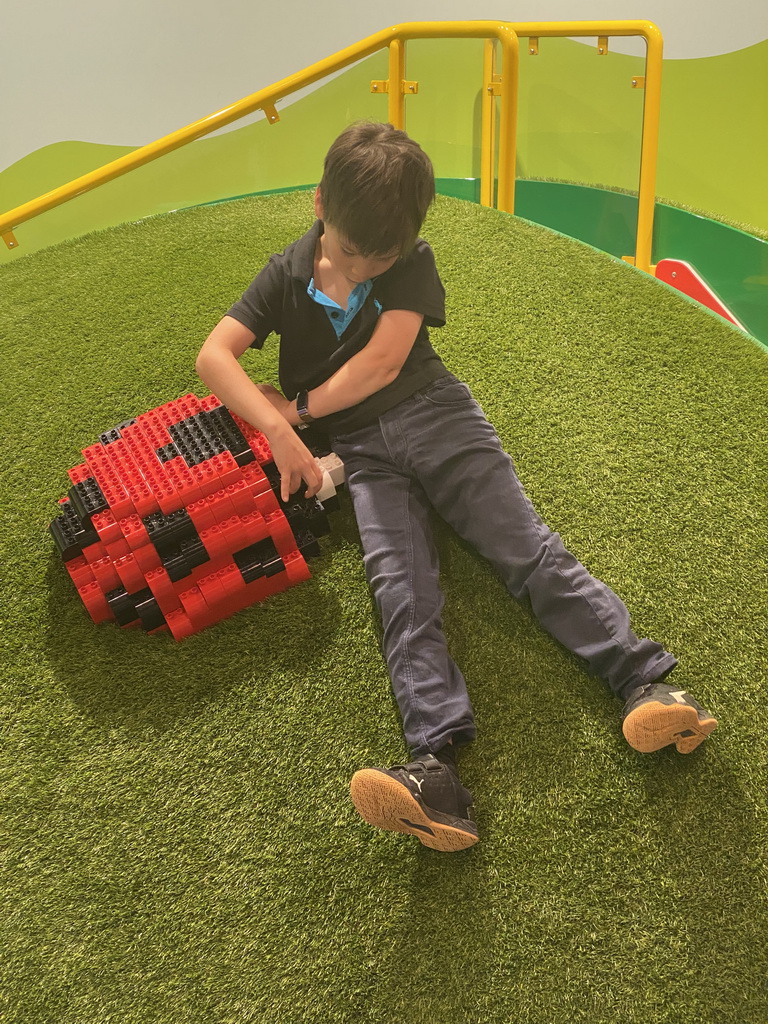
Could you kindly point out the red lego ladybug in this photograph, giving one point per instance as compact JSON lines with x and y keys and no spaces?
{"x":174,"y":521}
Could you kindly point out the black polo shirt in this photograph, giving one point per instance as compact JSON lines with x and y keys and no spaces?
{"x":311,"y":352}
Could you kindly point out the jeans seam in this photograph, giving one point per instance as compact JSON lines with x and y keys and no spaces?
{"x":412,"y":696}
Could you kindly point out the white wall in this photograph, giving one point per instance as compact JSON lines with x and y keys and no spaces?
{"x":125,"y":72}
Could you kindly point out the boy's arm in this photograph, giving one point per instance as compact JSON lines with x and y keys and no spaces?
{"x":367,"y":372}
{"x":217,"y":366}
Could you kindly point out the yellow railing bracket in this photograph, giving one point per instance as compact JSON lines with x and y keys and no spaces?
{"x":602,"y":45}
{"x":10,"y":240}
{"x":494,"y":88}
{"x":406,"y":88}
{"x":271,"y":113}
{"x":638,"y":82}
{"x":533,"y":45}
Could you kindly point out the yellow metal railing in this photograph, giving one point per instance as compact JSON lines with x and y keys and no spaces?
{"x":650,"y":82}
{"x":498,"y":82}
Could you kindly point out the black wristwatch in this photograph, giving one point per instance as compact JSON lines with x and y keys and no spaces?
{"x":302,"y":410}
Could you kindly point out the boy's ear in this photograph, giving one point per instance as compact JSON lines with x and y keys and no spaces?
{"x":318,"y":204}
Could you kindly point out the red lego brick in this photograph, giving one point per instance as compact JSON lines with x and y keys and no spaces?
{"x":211,"y":588}
{"x":95,"y":603}
{"x":215,"y":542}
{"x":134,"y":531}
{"x":240,"y":495}
{"x":220,"y":505}
{"x":163,"y":590}
{"x":256,"y":479}
{"x":197,"y":609}
{"x":296,"y":568}
{"x":130,"y":574}
{"x":80,"y":571}
{"x":117,"y":549}
{"x":210,"y":402}
{"x":201,"y":514}
{"x":255,"y":528}
{"x":237,"y":532}
{"x":180,"y":625}
{"x":147,"y":558}
{"x":101,"y":469}
{"x":182,"y":480}
{"x":154,"y":429}
{"x":281,"y":533}
{"x":226,"y":467}
{"x":206,"y":478}
{"x":105,"y":575}
{"x":189,"y":405}
{"x":78,"y":473}
{"x":267,"y":503}
{"x":231,"y":579}
{"x":94,"y":552}
{"x":107,"y":528}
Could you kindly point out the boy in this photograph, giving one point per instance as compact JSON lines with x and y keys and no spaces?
{"x":352,"y":300}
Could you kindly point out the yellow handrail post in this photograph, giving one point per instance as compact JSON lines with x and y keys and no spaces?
{"x":491,"y":89}
{"x":649,"y":149}
{"x":396,"y":102}
{"x":510,"y":65}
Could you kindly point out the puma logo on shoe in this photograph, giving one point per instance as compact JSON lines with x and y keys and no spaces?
{"x":679,"y":696}
{"x":417,"y":782}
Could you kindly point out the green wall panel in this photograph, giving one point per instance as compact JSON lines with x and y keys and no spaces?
{"x":579,"y":121}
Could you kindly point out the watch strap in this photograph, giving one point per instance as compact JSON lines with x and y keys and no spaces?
{"x":301,"y":407}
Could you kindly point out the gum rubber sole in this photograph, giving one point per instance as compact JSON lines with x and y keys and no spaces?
{"x":386,"y":803}
{"x":655,"y":725}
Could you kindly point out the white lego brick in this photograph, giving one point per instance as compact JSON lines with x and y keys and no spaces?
{"x":328,"y":489}
{"x":333,"y":465}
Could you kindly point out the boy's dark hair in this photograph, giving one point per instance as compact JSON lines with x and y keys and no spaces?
{"x":376,"y":188}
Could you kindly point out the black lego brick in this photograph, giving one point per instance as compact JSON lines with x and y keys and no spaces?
{"x":148,"y":610}
{"x":87,"y":499}
{"x":257,"y":560}
{"x":167,"y":532}
{"x":307,"y":544}
{"x":193,"y":550}
{"x":223,"y":423}
{"x":70,"y":533}
{"x":168,"y":452}
{"x":307,"y":514}
{"x":122,"y":606}
{"x":110,"y":436}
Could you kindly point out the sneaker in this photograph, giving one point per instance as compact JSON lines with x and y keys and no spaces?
{"x":424,"y":799}
{"x":657,"y":714}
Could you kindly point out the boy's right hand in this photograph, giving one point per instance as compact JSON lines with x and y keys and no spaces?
{"x":295,"y":462}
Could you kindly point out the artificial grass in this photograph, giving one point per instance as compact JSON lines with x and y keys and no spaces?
{"x":178,"y":841}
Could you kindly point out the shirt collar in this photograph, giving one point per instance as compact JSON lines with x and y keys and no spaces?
{"x":303,"y":263}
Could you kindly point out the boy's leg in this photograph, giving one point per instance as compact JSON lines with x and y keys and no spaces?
{"x":402,"y":569}
{"x":472,"y":483}
{"x":424,"y":798}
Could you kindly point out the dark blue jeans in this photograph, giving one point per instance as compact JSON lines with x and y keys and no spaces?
{"x":437,"y":450}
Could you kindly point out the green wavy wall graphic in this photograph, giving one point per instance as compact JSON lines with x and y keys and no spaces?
{"x":579,"y":121}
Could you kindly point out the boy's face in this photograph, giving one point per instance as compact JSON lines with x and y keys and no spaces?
{"x":344,"y":256}
{"x":346,"y":260}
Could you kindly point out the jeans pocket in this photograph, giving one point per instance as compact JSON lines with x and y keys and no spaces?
{"x":447,"y":391}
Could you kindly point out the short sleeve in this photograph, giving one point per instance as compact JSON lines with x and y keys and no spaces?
{"x":413,"y":283}
{"x":260,"y":308}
